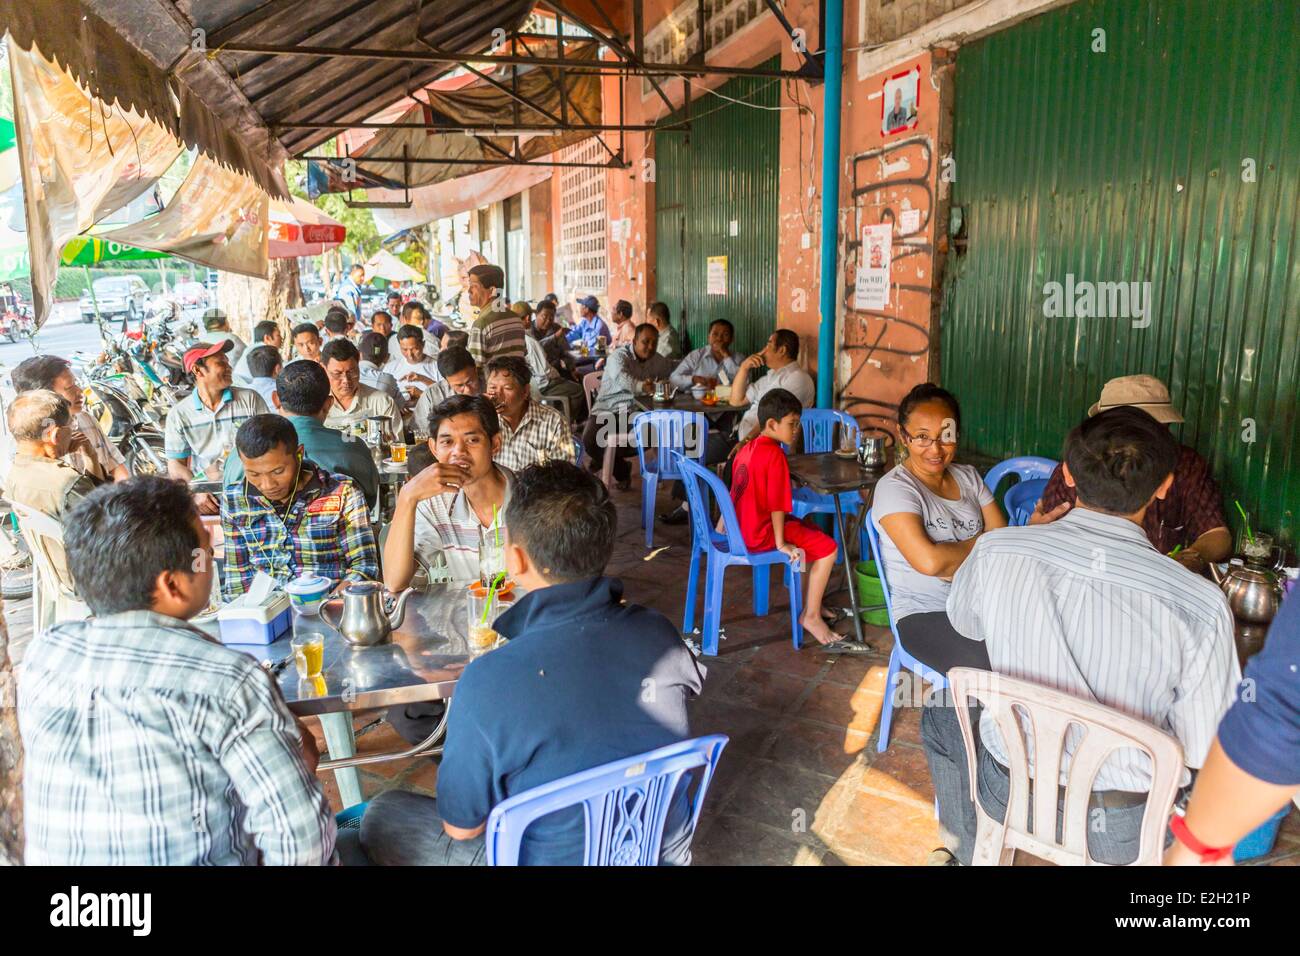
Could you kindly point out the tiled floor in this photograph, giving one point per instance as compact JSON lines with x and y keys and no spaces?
{"x":800,"y":781}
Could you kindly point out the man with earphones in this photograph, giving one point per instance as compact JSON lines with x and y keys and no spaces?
{"x":288,"y":516}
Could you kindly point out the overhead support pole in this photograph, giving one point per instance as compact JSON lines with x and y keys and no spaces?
{"x":812,"y":67}
{"x":485,"y":59}
{"x":613,"y":41}
{"x":614,"y":163}
{"x":833,"y":62}
{"x":489,"y":129}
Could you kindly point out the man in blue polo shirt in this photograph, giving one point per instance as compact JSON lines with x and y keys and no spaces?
{"x":584,"y":680}
{"x":1253,"y":768}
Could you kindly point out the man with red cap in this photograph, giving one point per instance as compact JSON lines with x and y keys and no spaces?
{"x":201,"y":427}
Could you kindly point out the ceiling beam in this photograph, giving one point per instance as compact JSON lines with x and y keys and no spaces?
{"x":430,"y":161}
{"x":487,"y":59}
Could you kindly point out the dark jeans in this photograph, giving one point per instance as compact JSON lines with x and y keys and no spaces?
{"x":596,"y":432}
{"x":1113,"y":831}
{"x":931,"y":639}
{"x":401,"y":828}
{"x":415,"y":722}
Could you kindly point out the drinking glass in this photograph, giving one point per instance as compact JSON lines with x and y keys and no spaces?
{"x":491,"y":554}
{"x":1258,"y":550}
{"x":398,"y":452}
{"x":308,"y":654}
{"x":482,"y":608}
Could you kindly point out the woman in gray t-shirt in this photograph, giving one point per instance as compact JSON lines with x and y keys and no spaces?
{"x":930,"y":513}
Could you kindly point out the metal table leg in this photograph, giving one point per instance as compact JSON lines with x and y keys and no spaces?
{"x":341,"y":742}
{"x":848,"y":571}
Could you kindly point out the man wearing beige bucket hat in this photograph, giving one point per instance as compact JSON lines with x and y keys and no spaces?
{"x":1188,"y":522}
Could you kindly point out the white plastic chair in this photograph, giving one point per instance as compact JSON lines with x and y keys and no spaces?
{"x":1047,"y":716}
{"x":54,"y":598}
{"x":591,"y":388}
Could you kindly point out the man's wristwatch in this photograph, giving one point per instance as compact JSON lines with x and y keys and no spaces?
{"x":1207,"y":854}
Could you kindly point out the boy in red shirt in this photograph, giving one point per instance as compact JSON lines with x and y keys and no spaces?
{"x":760,"y":490}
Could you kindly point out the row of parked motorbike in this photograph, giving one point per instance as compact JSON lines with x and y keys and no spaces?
{"x":133,"y":383}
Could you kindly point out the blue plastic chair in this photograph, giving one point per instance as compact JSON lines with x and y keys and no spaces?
{"x":656,"y":433}
{"x":1024,"y":468}
{"x":625,"y":804}
{"x":1021,"y":498}
{"x":724,"y":550}
{"x":898,"y":658}
{"x":818,"y":426}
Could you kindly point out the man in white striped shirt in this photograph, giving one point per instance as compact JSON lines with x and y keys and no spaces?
{"x":1087,"y":606}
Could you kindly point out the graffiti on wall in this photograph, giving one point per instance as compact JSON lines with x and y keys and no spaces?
{"x":887,"y":350}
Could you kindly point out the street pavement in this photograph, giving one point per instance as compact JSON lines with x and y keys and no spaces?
{"x":63,"y":335}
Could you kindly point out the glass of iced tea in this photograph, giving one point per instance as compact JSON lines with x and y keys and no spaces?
{"x":482,"y":608}
{"x":308,"y":654}
{"x":398,"y":453}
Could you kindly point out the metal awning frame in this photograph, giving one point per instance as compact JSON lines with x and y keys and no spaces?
{"x":628,"y":62}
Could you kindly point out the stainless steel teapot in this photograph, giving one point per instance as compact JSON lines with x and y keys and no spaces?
{"x":367,"y":618}
{"x":1254,"y":591}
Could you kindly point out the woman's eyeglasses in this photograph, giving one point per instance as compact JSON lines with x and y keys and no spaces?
{"x":925,"y":441}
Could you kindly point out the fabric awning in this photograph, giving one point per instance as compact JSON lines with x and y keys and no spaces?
{"x":384,"y":265}
{"x":300,"y":229}
{"x":481,"y":102}
{"x":430,"y":203}
{"x":116,"y":73}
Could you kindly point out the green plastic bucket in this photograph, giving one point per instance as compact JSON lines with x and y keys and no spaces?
{"x":870,"y":591}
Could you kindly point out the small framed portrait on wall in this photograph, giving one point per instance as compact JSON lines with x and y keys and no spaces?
{"x":899,"y":103}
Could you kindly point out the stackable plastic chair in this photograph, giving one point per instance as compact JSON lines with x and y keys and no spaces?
{"x":1024,"y":468}
{"x":898,"y":657}
{"x":53,"y":595}
{"x":1039,"y":733}
{"x":625,"y":804}
{"x":818,"y":426}
{"x":1021,"y":499}
{"x":656,"y":434}
{"x":591,"y":387}
{"x":721,"y":551}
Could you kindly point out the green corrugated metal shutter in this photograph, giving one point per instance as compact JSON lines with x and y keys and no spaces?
{"x":725,"y":169}
{"x":1127,"y":165}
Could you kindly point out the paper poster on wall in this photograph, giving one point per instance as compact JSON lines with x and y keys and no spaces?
{"x":898,"y":105}
{"x":717,"y":275}
{"x":871,"y":285}
{"x":909,"y":222}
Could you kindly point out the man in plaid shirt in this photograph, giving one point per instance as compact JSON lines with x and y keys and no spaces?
{"x":290,"y":516}
{"x":531,"y":433}
{"x":1187,"y":523}
{"x":147,"y":742}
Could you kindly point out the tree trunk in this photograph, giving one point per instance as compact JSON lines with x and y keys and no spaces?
{"x":247,"y":301}
{"x":11,"y":759}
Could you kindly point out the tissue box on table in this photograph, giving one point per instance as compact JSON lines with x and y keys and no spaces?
{"x":255,"y":618}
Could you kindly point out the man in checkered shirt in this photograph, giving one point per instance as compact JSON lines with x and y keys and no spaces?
{"x":288,"y":516}
{"x":531,"y":433}
{"x":147,"y":742}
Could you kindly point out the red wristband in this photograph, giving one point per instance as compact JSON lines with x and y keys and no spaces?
{"x":1208,"y":854}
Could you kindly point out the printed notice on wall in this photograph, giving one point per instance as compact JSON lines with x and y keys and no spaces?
{"x":717,"y":275}
{"x":871,"y":285}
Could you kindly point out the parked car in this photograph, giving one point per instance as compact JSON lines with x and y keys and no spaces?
{"x":126,"y":296}
{"x":190,"y":295}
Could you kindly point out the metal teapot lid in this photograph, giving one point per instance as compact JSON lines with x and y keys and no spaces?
{"x":364,"y":587}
